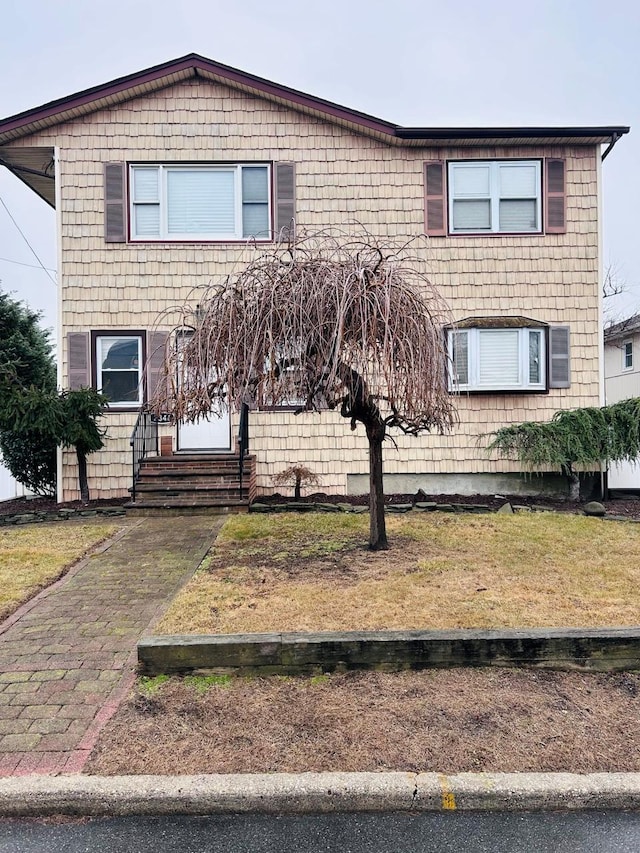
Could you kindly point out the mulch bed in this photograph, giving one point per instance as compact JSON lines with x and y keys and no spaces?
{"x":457,"y":720}
{"x":18,"y":505}
{"x":629,"y":506}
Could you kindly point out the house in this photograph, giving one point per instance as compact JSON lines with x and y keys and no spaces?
{"x":621,"y":381}
{"x":163,"y":180}
{"x":9,"y":487}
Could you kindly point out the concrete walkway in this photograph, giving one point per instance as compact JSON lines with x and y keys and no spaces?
{"x":67,"y":657}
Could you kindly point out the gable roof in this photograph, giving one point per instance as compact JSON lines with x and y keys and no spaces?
{"x":623,"y":329}
{"x":194,"y":66}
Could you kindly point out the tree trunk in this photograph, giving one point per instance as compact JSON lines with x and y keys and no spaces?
{"x":82,"y":476}
{"x":574,"y":482}
{"x":377,"y":525}
{"x":296,"y":489}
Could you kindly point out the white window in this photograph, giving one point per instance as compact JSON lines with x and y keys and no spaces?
{"x":497,"y":359}
{"x":118,"y":369}
{"x":627,"y":355}
{"x":200,"y":202}
{"x":501,"y":196}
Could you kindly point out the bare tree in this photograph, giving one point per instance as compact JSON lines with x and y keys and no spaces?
{"x":332,"y":320}
{"x":613,"y":284}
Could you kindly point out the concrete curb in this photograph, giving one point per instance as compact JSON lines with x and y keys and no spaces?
{"x":289,"y":793}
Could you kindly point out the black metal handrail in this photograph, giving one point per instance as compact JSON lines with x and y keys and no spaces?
{"x":243,"y":440}
{"x":144,"y":439}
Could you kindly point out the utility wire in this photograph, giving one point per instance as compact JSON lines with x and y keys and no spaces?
{"x":27,"y":242}
{"x":32,"y":266}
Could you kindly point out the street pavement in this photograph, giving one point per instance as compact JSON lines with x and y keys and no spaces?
{"x":462,"y":832}
{"x":67,"y":657}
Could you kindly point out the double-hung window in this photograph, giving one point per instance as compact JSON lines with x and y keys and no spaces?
{"x":501,"y":196}
{"x":627,"y":355}
{"x":193,"y":202}
{"x":505,"y":359}
{"x":118,"y":361}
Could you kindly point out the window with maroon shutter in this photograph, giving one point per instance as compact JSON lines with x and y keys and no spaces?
{"x":115,"y":222}
{"x":435,"y":205}
{"x":78,"y":360}
{"x":156,"y":346}
{"x":495,"y":196}
{"x":555,"y":196}
{"x":285,"y":199}
{"x":559,"y":357}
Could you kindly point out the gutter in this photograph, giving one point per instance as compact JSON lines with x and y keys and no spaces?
{"x":614,"y":138}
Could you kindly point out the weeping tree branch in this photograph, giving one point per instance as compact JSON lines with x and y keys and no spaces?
{"x":574,"y":439}
{"x":339,"y":321}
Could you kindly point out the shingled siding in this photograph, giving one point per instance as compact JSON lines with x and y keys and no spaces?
{"x":341,"y":177}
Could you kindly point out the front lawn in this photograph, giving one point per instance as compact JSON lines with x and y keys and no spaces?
{"x":33,"y":556}
{"x":289,"y":572}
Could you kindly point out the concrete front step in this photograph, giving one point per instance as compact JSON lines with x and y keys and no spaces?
{"x":144,"y":508}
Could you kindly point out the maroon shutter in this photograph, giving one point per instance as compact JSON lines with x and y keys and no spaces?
{"x":285,"y":200}
{"x":435,"y":200}
{"x":115,"y":220}
{"x":79,"y":360}
{"x":559,"y":357}
{"x":555,"y":196}
{"x":154,"y":369}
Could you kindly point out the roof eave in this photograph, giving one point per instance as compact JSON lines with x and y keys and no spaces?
{"x":489,"y":135}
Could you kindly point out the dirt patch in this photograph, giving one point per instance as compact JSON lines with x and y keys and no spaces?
{"x":449,"y":721}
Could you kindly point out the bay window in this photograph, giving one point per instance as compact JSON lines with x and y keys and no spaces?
{"x":497,"y":359}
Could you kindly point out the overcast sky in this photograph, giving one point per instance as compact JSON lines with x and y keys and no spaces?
{"x":414,"y":62}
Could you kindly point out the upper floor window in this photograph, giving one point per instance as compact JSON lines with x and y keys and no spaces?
{"x":627,"y":355}
{"x":193,"y":202}
{"x":502,"y":196}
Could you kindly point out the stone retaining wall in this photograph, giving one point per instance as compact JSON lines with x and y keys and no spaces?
{"x":61,"y":515}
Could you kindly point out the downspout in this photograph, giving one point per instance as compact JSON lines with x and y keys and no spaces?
{"x":59,"y":335}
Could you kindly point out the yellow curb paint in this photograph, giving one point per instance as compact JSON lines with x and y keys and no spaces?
{"x":448,"y":797}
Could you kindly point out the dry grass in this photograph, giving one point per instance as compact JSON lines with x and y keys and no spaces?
{"x":289,"y":572}
{"x":435,"y":720}
{"x":33,"y":556}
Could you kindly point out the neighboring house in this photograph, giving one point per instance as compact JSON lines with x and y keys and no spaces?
{"x":621,"y":381}
{"x":9,"y":487}
{"x":160,"y":179}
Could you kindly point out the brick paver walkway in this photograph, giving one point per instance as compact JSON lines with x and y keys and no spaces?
{"x":67,"y":657}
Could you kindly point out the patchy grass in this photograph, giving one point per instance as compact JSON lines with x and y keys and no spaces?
{"x":150,"y":685}
{"x":451,"y":721}
{"x":33,"y":556}
{"x":288,"y":572}
{"x":202,"y":683}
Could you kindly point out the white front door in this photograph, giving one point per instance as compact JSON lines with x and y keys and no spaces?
{"x":207,"y":433}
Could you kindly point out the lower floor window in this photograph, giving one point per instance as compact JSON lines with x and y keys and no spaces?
{"x":505,"y":359}
{"x":118,"y":369}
